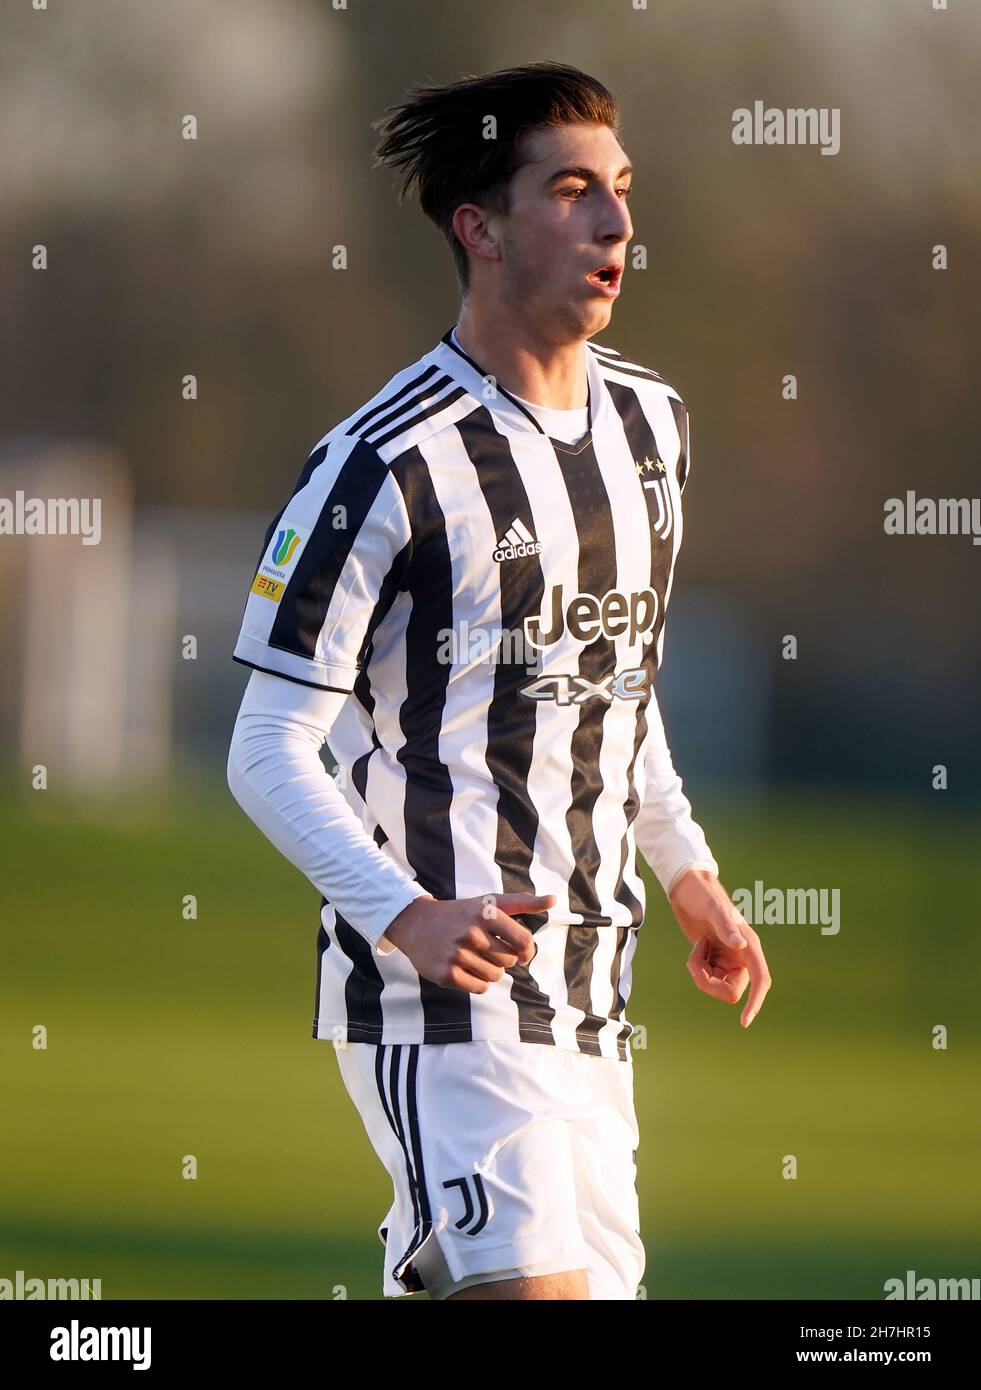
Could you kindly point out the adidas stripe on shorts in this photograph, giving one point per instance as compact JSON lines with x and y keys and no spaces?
{"x":505,"y":1159}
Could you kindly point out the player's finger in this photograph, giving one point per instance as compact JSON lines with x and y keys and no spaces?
{"x":491,"y":947}
{"x":515,"y":937}
{"x":472,"y":963}
{"x":461,"y":979}
{"x":726,"y":922}
{"x":713,"y":979}
{"x":759,"y":982}
{"x":510,"y":903}
{"x":699,"y":952}
{"x":495,"y":918}
{"x":700,"y":969}
{"x":737,"y":980}
{"x":724,"y":990}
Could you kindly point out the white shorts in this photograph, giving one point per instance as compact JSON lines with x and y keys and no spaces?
{"x":506,"y":1158}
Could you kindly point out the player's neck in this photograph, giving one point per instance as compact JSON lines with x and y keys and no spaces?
{"x":543,"y":372}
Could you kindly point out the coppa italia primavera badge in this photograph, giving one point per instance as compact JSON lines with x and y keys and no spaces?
{"x":270,"y":582}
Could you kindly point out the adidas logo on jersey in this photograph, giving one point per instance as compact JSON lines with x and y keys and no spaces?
{"x":516,"y":541}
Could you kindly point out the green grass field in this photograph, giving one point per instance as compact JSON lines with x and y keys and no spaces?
{"x":169,"y":1037}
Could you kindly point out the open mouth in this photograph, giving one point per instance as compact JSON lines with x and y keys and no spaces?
{"x":608,"y":276}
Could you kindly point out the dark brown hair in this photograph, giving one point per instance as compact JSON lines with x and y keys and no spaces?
{"x":435,"y":138}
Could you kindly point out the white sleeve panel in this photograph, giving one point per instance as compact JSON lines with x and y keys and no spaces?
{"x":665,"y":831}
{"x":276,"y":776}
{"x":331,"y":566}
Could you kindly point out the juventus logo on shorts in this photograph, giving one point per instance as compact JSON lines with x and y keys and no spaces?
{"x":480,"y":1208}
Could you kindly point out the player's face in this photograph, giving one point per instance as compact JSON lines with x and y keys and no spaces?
{"x":568,"y":217}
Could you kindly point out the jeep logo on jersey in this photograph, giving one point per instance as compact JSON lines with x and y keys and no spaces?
{"x":587,"y":617}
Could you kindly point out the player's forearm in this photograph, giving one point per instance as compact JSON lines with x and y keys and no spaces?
{"x":276,"y":776}
{"x":665,"y":830}
{"x":670,"y":839}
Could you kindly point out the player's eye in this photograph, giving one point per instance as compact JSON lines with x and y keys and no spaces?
{"x":582,"y":189}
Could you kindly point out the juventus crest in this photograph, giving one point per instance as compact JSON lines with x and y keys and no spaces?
{"x":653,"y":474}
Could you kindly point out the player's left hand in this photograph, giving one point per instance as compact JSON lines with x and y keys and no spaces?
{"x":726,"y":952}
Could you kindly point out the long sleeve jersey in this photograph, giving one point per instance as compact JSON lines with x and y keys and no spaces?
{"x":487,"y":604}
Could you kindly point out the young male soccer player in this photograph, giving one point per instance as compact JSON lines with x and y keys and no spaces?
{"x":466,"y":594}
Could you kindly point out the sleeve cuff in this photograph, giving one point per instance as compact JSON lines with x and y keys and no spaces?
{"x":383,"y":914}
{"x":250,"y":651}
{"x":682,"y":869}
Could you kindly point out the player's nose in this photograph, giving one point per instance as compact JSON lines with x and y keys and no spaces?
{"x":614,"y":222}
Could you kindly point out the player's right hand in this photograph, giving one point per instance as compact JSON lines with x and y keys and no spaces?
{"x":467,"y":943}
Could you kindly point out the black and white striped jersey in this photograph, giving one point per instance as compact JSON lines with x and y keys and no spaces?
{"x":494,"y":599}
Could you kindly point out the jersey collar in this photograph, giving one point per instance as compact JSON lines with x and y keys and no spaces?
{"x":510,"y":412}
